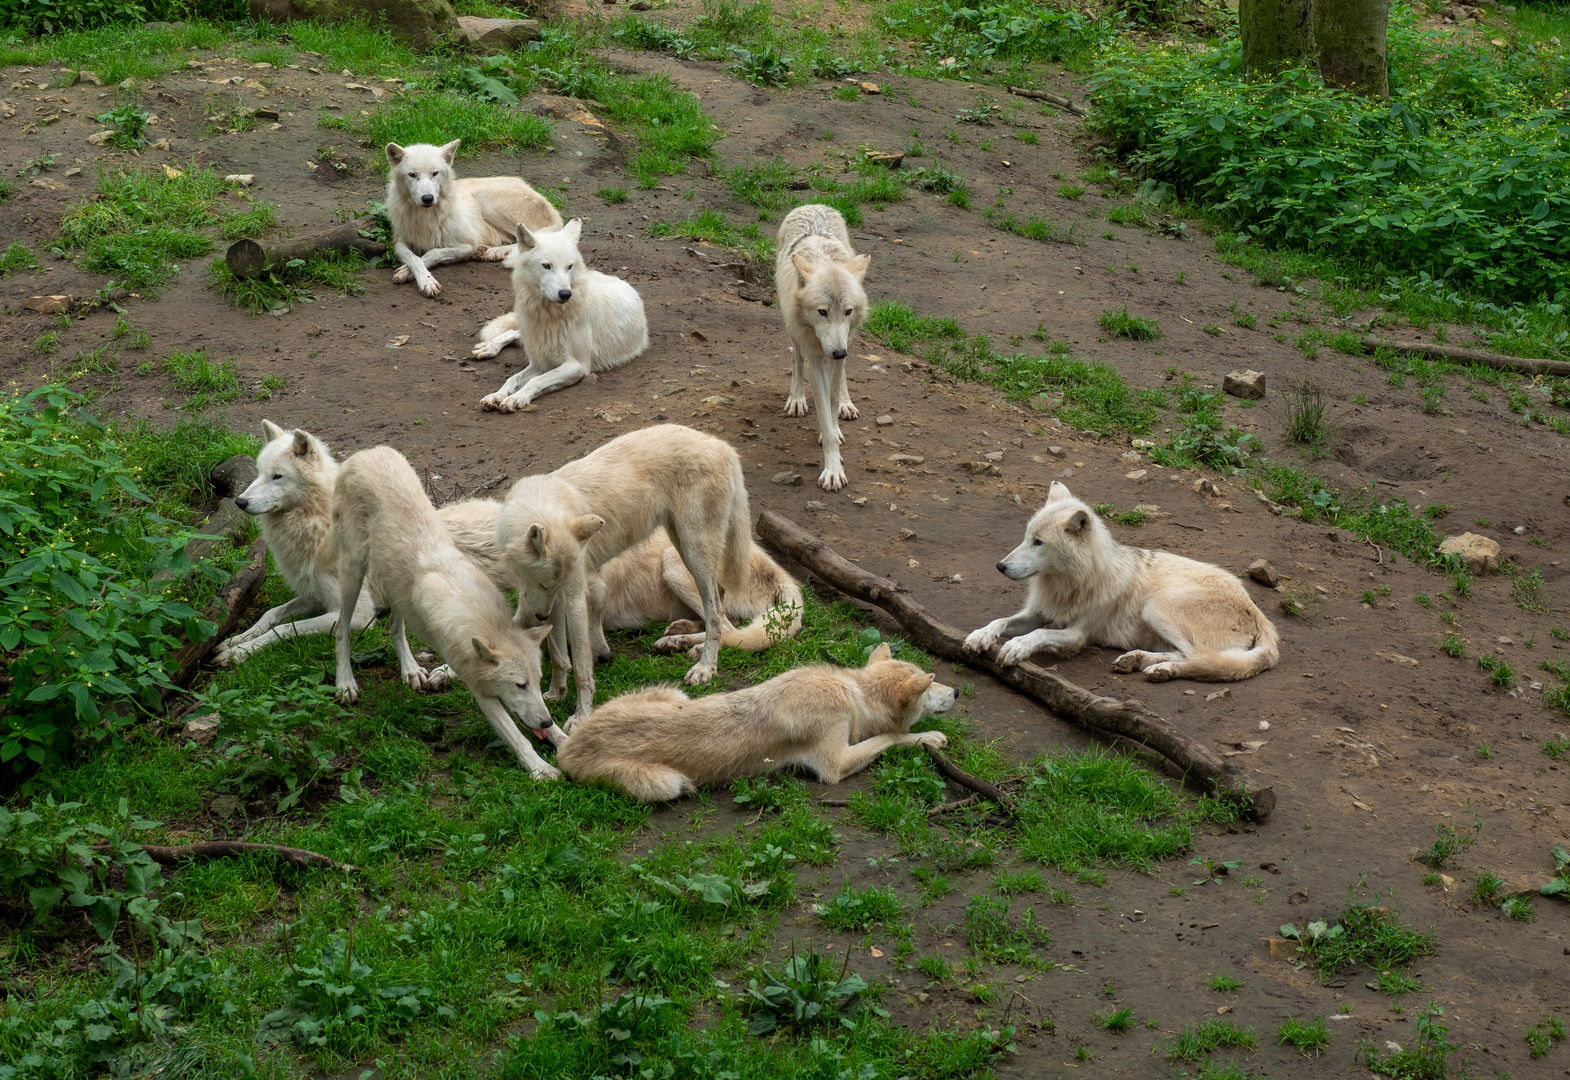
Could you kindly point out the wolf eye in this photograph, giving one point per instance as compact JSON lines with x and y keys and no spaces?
{"x":568,"y":266}
{"x":848,"y":310}
{"x":1035,"y":543}
{"x":547,"y":266}
{"x":436,"y":173}
{"x":823,"y":311}
{"x":522,"y":685}
{"x":277,"y":476}
{"x":415,"y":175}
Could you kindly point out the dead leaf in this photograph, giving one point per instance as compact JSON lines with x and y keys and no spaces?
{"x":1362,"y":805}
{"x":876,"y":952}
{"x":398,"y":342}
{"x":172,"y":173}
{"x":1395,"y":658}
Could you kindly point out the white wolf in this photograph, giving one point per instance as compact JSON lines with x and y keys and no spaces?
{"x":555,"y":531}
{"x":291,"y":498}
{"x":437,"y":218}
{"x":650,"y":582}
{"x":383,"y":524}
{"x":658,"y":744}
{"x":1086,"y":587}
{"x":819,"y":276}
{"x":569,"y":319}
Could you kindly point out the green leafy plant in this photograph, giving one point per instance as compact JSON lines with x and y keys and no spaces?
{"x":764,"y":67}
{"x":990,"y":932}
{"x":1223,"y":984}
{"x":1195,"y":1041}
{"x":1541,"y":1036}
{"x":18,"y":257}
{"x":1451,"y":840}
{"x":1500,"y":673}
{"x":858,"y":909}
{"x":1396,"y":982}
{"x":803,"y":993}
{"x":1426,"y":1058}
{"x":129,"y":124}
{"x":1213,"y":870}
{"x":1118,"y":1020}
{"x":1559,"y":884}
{"x":1518,"y":908}
{"x":1486,"y":887}
{"x":1362,"y":933}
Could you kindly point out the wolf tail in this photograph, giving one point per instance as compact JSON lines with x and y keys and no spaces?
{"x":780,"y":621}
{"x":1232,"y":665}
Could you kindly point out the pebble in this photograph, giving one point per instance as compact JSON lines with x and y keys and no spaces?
{"x":1214,"y":695}
{"x":1264,"y":725}
{"x":1137,"y":474}
{"x":906,"y":459}
{"x":814,"y":504}
{"x":1055,"y":451}
{"x":885,"y":420}
{"x":787,"y":479}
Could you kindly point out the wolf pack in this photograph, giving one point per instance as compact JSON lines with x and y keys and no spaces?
{"x":654,"y":527}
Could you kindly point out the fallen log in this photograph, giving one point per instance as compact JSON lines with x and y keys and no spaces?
{"x":974,"y":783}
{"x":1497,"y":361}
{"x":1066,"y":104}
{"x":253,"y":258}
{"x":226,"y":609}
{"x":1131,"y":719}
{"x":299,"y":858}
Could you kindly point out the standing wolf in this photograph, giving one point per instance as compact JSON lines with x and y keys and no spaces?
{"x":818,"y":276}
{"x":1085,"y":587}
{"x":569,"y":319}
{"x":384,"y":525}
{"x":555,"y":531}
{"x":437,"y":218}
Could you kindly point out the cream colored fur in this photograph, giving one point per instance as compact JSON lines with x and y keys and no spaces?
{"x":833,"y":722}
{"x":818,"y":277}
{"x":383,"y":525}
{"x":649,"y":582}
{"x":465,"y":219}
{"x":569,"y":319}
{"x":291,"y":498}
{"x":1178,"y":617}
{"x":555,"y":531}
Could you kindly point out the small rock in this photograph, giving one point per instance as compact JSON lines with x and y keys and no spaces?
{"x":871,"y":88}
{"x":885,"y":420}
{"x":1143,"y":444}
{"x":1055,"y":451}
{"x":243,"y":179}
{"x":1280,"y":948}
{"x":1447,"y":881}
{"x":266,"y":114}
{"x":907,"y":534}
{"x":49,"y":305}
{"x":980,"y":468}
{"x":49,"y":185}
{"x":1137,"y":474}
{"x":994,"y":455}
{"x":1131,"y":457}
{"x":202,"y":730}
{"x":814,"y":504}
{"x":500,"y":35}
{"x":1261,"y":571}
{"x":263,"y":66}
{"x":1479,"y":554}
{"x":98,"y":138}
{"x":85,"y":76}
{"x":161,"y":144}
{"x":1247,"y":384}
{"x":1190,"y":693}
{"x":888,"y":161}
{"x":1504,"y":641}
{"x":859,"y":500}
{"x":907,"y":459}
{"x":1216,"y":694}
{"x":1207,"y":487}
{"x":1264,"y":725}
{"x":786,"y":479}
{"x":1151,"y":510}
{"x":74,"y":170}
{"x":922,"y":997}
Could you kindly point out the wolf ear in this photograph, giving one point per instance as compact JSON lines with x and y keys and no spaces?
{"x":537,"y":634}
{"x":1078,"y":523}
{"x":911,"y":689}
{"x":302,"y":444}
{"x":803,"y":267}
{"x":450,"y":150}
{"x":573,"y":229}
{"x":272,"y":430}
{"x":880,"y":654}
{"x":1058,"y":491}
{"x":535,"y":538}
{"x":858,"y":266}
{"x":394,"y":153}
{"x":524,"y":237}
{"x":586,"y":526}
{"x":481,"y":651}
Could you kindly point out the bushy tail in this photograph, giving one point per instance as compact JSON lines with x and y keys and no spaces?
{"x":779,"y":622}
{"x":1232,"y":665}
{"x":645,"y":781}
{"x":499,"y":325}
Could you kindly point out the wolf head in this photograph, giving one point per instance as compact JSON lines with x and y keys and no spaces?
{"x":293,"y":469}
{"x":422,"y":171}
{"x":900,"y":693}
{"x":830,"y":299}
{"x":509,"y":669}
{"x":544,"y":558}
{"x":547,"y":263}
{"x":1062,"y":538}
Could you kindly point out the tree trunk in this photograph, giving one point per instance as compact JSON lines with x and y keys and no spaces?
{"x":1276,"y":34}
{"x":1350,"y":35}
{"x":253,"y":258}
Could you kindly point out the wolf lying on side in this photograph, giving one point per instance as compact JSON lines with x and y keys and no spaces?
{"x":818,"y":276}
{"x":569,"y":319}
{"x":1086,"y":587}
{"x":383,"y":524}
{"x":556,"y":531}
{"x":292,"y":499}
{"x":437,"y":218}
{"x":659,"y":744}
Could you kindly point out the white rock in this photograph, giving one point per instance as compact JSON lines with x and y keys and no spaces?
{"x":1479,"y":553}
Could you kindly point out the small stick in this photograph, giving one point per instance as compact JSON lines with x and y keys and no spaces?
{"x":1066,"y":104}
{"x":492,"y":482}
{"x":955,"y":805}
{"x":219,"y":849}
{"x":1377,"y":553}
{"x":1196,"y":528}
{"x":975,"y":783}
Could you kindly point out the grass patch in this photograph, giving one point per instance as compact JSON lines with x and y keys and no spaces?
{"x":1085,"y":395}
{"x":1039,"y":226}
{"x":17,"y":258}
{"x":1121,"y":324}
{"x":1362,"y":934}
{"x":203,"y":381}
{"x":1308,"y":414}
{"x":1308,"y":1038}
{"x":995,"y":937}
{"x":1196,"y":1041}
{"x":1541,"y":1036}
{"x":714,"y":227}
{"x":1426,"y":1058}
{"x":296,"y":282}
{"x":859,"y":909}
{"x":440,"y":116}
{"x":777,"y":187}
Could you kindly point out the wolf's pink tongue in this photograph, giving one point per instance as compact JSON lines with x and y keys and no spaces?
{"x":541,"y":733}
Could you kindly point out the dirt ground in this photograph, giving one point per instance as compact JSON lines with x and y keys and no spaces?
{"x":1372,"y":731}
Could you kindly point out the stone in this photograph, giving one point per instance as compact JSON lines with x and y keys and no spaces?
{"x":907,"y":459}
{"x":201,"y":731}
{"x":421,"y":21}
{"x":265,"y":113}
{"x":85,"y":76}
{"x":1248,"y":384}
{"x":1215,"y":695}
{"x":871,"y":88}
{"x":234,"y":474}
{"x":49,"y":305}
{"x":1261,"y":571}
{"x":641,"y":5}
{"x":1281,"y":948}
{"x":243,"y":179}
{"x":49,"y":185}
{"x":496,"y":35}
{"x":993,"y":455}
{"x":980,"y":468}
{"x":885,"y":420}
{"x":1041,"y":403}
{"x":888,"y":161}
{"x":98,"y":138}
{"x":1130,"y":457}
{"x":1207,"y":487}
{"x":1151,"y":510}
{"x":1055,"y":451}
{"x":1137,"y":474}
{"x":1479,"y":554}
{"x":786,"y":479}
{"x":814,"y":504}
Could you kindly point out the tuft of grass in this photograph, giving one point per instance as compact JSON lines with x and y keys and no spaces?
{"x":936,"y":967}
{"x":1196,"y":1041}
{"x":1308,"y":417}
{"x":1451,"y":840}
{"x":1451,"y":645}
{"x":1014,"y":882}
{"x":859,"y":909}
{"x":1541,"y":1036}
{"x":1121,"y":324}
{"x":1500,"y":673}
{"x":1310,"y":1039}
{"x":1518,"y":908}
{"x":441,"y":116}
{"x":1039,"y":226}
{"x":713,"y":226}
{"x":1362,"y":934}
{"x":1396,"y":982}
{"x":296,"y":282}
{"x":1223,"y":984}
{"x":1118,"y":1020}
{"x":16,"y":259}
{"x":200,"y":379}
{"x":612,"y":195}
{"x":1426,"y":1058}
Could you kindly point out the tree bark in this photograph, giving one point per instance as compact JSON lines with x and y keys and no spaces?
{"x":252,"y":259}
{"x":1350,"y":35}
{"x":1497,"y":361}
{"x":226,"y":609}
{"x":1276,"y":34}
{"x":298,"y":858}
{"x":1102,"y":715}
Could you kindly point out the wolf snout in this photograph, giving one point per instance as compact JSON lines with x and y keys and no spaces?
{"x":563,"y":295}
{"x":242,"y":502}
{"x":604,"y":657}
{"x":839,"y":354}
{"x":427,"y":200}
{"x":1003,"y":567}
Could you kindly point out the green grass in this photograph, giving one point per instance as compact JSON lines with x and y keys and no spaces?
{"x":776,"y":186}
{"x":202,"y":381}
{"x":1121,"y":324}
{"x":1367,"y":934}
{"x":17,"y":258}
{"x":1197,"y":1040}
{"x":994,"y":936}
{"x":1117,"y":1020}
{"x":440,"y":117}
{"x":859,"y":909}
{"x":294,"y":283}
{"x":1309,"y":1038}
{"x":1541,"y":1036}
{"x":1039,"y":226}
{"x":1223,"y":984}
{"x":1085,"y":395}
{"x":713,"y":226}
{"x":612,"y":195}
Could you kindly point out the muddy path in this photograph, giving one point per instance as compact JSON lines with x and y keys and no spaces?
{"x":1373,"y":734}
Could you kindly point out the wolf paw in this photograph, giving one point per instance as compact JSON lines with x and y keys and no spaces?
{"x":494,"y":254}
{"x":796,"y":406}
{"x":1016,"y":652}
{"x":439,"y":678}
{"x":544,"y":771}
{"x":485,"y":350}
{"x":1161,"y":672}
{"x":1129,"y":661}
{"x":675,"y":643}
{"x":510,"y":403}
{"x":848,"y":411}
{"x":832,"y":478}
{"x":935,"y":739}
{"x":983,"y":640}
{"x":699,"y":673}
{"x":349,"y":692}
{"x":430,"y":287}
{"x":684,"y":626}
{"x":556,"y":693}
{"x":403,"y":275}
{"x":491,"y":402}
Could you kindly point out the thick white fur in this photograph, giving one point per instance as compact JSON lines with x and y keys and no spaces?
{"x":556,"y":531}
{"x":649,"y":582}
{"x":291,"y":498}
{"x":819,"y":276}
{"x":658,"y":744}
{"x":464,"y":219}
{"x":1086,"y":587}
{"x":569,"y":319}
{"x":383,"y":524}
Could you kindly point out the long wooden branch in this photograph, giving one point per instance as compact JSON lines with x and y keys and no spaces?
{"x":253,"y":258}
{"x":1066,"y":104}
{"x":1131,"y":718}
{"x":974,"y":783}
{"x":226,"y":609}
{"x":298,"y":858}
{"x":1497,"y":361}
